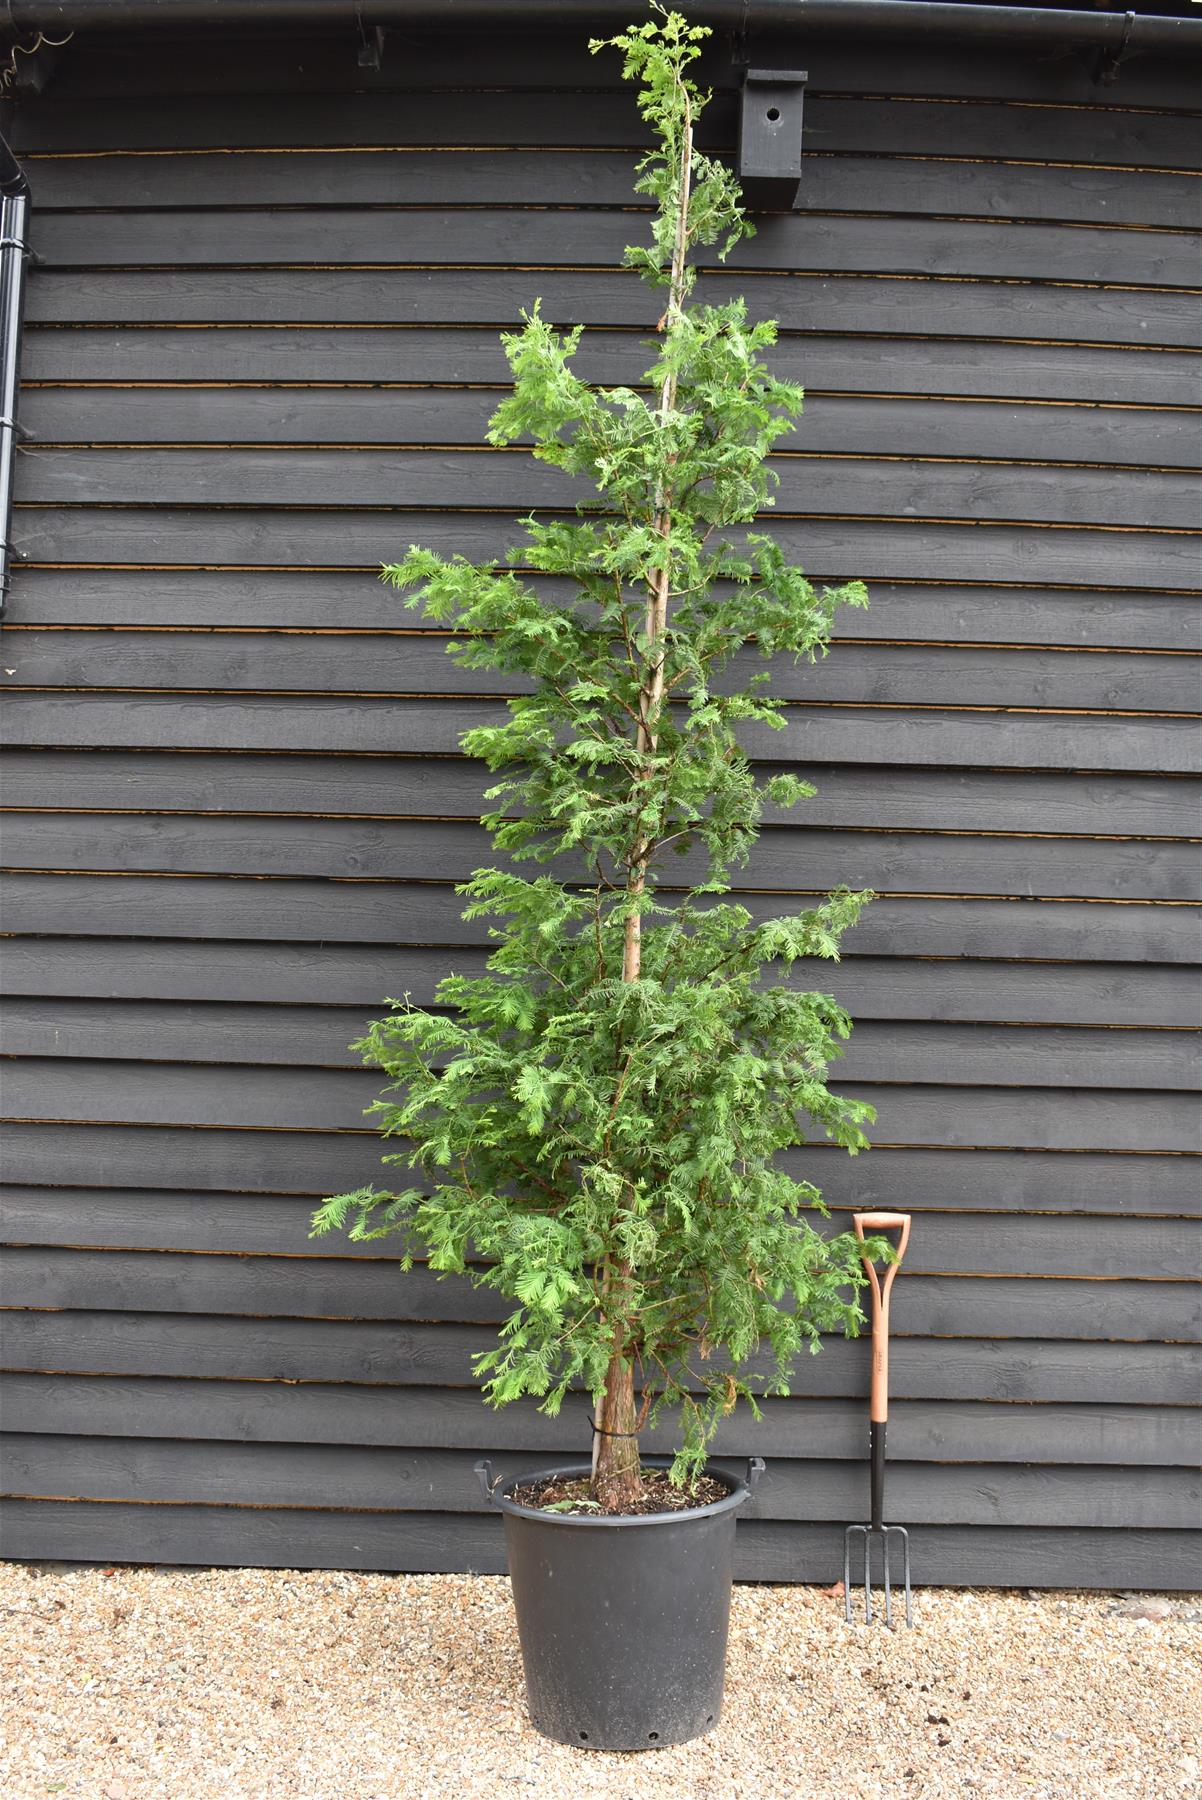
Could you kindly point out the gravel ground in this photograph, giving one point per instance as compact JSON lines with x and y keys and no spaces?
{"x":245,"y":1684}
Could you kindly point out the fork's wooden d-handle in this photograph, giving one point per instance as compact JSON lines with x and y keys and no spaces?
{"x":878,"y":1406}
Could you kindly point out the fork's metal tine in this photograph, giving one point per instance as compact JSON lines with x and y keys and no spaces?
{"x":906,"y":1568}
{"x":885,"y":1567}
{"x":869,"y":1533}
{"x":868,"y":1576}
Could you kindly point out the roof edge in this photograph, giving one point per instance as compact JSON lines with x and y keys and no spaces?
{"x":1119,"y":34}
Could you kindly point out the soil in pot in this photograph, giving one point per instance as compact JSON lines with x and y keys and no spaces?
{"x":658,"y":1496}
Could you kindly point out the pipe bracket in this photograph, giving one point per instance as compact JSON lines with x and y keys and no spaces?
{"x":1110,"y":62}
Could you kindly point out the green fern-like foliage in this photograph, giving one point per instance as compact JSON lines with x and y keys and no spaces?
{"x":596,"y":1120}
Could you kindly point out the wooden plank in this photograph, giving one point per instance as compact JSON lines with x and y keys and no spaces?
{"x":438,"y":1356}
{"x":314,"y":1100}
{"x":832,"y":424}
{"x":874,"y":550}
{"x":493,"y":176}
{"x":347,"y":1288}
{"x":307,"y":62}
{"x":378,"y":787}
{"x":809,"y":486}
{"x":323,"y":600}
{"x":830,"y":367}
{"x":1096,"y":134}
{"x":74,"y":1233}
{"x":597,"y":238}
{"x":1022,"y":311}
{"x":351,"y":724}
{"x":313,"y":1037}
{"x":950,"y":186}
{"x":74,"y":1155}
{"x":417,"y":664}
{"x":314,"y":1164}
{"x":383,"y":912}
{"x":295,"y":1476}
{"x":219,"y":1537}
{"x":413,"y":787}
{"x":766,"y":1550}
{"x":939,"y":1431}
{"x":871,"y":987}
{"x":786,"y":860}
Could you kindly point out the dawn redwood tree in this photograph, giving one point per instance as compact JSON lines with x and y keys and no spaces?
{"x":596,"y":1119}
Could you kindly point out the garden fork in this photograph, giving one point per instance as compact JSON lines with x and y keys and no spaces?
{"x":878,"y":1413}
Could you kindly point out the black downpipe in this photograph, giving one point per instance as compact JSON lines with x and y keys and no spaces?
{"x":14,"y":216}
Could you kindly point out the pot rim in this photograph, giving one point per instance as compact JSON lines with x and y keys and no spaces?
{"x":739,"y":1490}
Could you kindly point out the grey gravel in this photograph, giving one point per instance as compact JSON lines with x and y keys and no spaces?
{"x":246,"y":1684}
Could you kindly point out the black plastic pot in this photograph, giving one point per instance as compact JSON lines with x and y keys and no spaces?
{"x":622,"y":1620}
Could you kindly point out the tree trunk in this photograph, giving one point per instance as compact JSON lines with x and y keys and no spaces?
{"x":616,"y":1483}
{"x":616,"y":1479}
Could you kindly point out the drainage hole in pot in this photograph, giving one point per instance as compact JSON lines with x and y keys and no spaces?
{"x":653,"y":1737}
{"x":584,"y":1737}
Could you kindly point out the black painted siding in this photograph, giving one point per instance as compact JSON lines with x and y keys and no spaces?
{"x":236,"y":807}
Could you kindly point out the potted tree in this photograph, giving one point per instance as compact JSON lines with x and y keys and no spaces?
{"x":596,"y":1118}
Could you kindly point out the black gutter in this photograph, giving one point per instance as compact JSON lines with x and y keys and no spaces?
{"x":14,"y":214}
{"x":1120,"y":34}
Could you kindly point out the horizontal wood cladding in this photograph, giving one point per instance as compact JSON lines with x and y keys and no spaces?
{"x":933,"y":1431}
{"x":840,"y":182}
{"x":417,"y":664}
{"x":838,"y":425}
{"x":1102,"y":1309}
{"x":169,"y":1288}
{"x":313,"y":1037}
{"x":1007,"y":306}
{"x":1101,"y":135}
{"x":432,"y":1541}
{"x":345,"y":1479}
{"x":311,"y":1164}
{"x":432,"y":60}
{"x":261,"y":353}
{"x":271,"y":1099}
{"x":256,"y":908}
{"x":339,"y":1478}
{"x":786,"y":860}
{"x":993,"y":738}
{"x":1019,"y":310}
{"x":482,"y":237}
{"x":504,"y":481}
{"x":223,"y":1226}
{"x":330,"y":601}
{"x":308,"y":367}
{"x":384,"y":1352}
{"x":346,"y":976}
{"x":855,"y":797}
{"x":596,"y":238}
{"x":915,"y":549}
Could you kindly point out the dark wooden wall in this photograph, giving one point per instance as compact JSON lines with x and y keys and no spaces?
{"x":262,"y":344}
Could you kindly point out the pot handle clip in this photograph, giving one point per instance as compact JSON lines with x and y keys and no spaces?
{"x":755,"y":1468}
{"x":484,"y":1475}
